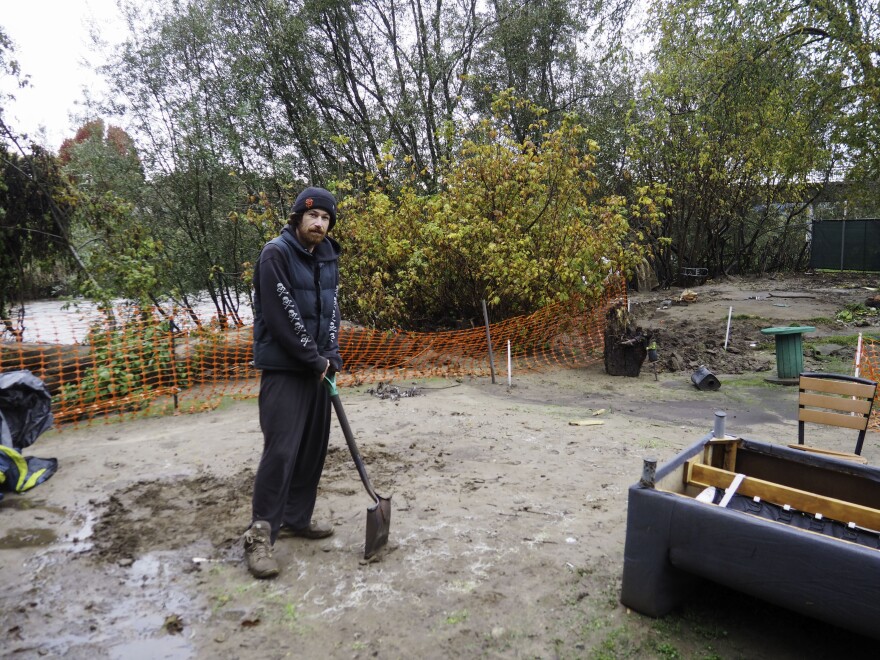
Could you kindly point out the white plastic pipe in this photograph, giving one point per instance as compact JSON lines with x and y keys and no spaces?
{"x":858,"y":355}
{"x":727,"y":334}
{"x":509,"y":374}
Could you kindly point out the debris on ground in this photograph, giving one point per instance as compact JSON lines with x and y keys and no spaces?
{"x":173,"y":624}
{"x":393,"y":392}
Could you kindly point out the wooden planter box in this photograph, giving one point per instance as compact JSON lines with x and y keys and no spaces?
{"x":800,"y":531}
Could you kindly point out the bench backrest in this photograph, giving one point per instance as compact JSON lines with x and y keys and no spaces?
{"x":836,"y":400}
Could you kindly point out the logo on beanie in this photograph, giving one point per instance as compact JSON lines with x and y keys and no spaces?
{"x":310,"y":203}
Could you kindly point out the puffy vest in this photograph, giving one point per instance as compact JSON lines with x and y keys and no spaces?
{"x":314,"y":279}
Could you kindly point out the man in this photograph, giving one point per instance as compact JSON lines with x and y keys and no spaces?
{"x":296,"y":326}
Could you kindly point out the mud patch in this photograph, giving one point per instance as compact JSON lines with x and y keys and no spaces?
{"x":685,"y":345}
{"x":161,"y":515}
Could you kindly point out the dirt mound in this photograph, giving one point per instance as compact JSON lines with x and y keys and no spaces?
{"x":690,"y":325}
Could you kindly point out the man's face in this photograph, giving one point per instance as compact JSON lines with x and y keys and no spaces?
{"x":313,"y":228}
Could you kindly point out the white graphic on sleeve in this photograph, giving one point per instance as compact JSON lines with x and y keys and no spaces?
{"x":293,"y":316}
{"x":333,"y":328}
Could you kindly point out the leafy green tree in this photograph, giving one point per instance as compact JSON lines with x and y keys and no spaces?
{"x":237,"y":105}
{"x":740,"y":133}
{"x":34,"y":227}
{"x":518,"y":224}
{"x":106,"y":193}
{"x":837,"y":42}
{"x":34,"y":218}
{"x":203,"y":143}
{"x":102,"y":159}
{"x":558,"y":53}
{"x":312,"y":90}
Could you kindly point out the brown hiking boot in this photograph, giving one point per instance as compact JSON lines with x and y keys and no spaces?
{"x":315,"y":530}
{"x":258,"y":550}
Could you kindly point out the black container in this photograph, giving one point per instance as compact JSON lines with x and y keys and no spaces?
{"x":705,"y":380}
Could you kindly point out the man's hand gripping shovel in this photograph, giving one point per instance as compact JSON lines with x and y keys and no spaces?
{"x":378,"y":515}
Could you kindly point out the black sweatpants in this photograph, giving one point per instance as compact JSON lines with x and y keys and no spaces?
{"x":295,"y":420}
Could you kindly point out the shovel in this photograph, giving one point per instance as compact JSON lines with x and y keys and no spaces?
{"x":378,"y":515}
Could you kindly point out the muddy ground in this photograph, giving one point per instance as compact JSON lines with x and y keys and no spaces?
{"x":509,"y":513}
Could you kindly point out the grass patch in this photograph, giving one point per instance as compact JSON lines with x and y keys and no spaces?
{"x":220,"y":602}
{"x":619,"y":643}
{"x":291,"y":614}
{"x":667,"y":651}
{"x":457,"y":617}
{"x":835,"y":365}
{"x":843,"y":340}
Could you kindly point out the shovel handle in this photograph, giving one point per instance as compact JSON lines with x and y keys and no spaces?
{"x":349,"y":437}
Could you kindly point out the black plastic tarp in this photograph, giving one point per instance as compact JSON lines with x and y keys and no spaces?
{"x":25,"y":413}
{"x":25,"y":409}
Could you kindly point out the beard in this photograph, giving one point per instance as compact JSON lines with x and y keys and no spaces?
{"x":309,"y":237}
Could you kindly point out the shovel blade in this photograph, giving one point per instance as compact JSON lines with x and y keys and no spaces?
{"x":378,"y":526}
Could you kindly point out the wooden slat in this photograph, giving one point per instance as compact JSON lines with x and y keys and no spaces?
{"x":847,"y":456}
{"x":861,"y":406}
{"x":858,"y":422}
{"x":832,"y":386}
{"x":703,"y":476}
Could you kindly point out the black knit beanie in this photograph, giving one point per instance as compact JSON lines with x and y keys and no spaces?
{"x":316,"y":198}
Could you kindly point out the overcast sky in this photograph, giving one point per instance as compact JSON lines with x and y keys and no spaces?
{"x":52,"y":45}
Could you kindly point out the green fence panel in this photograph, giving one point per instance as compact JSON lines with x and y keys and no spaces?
{"x":846,"y":245}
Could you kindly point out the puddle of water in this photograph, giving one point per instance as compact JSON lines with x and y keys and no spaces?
{"x":150,"y":575}
{"x":27,"y":538}
{"x":146,"y":568}
{"x":21,"y":503}
{"x":80,"y":541}
{"x":158,"y":645}
{"x":174,"y":647}
{"x":124,"y":613}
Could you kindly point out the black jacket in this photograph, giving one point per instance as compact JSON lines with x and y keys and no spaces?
{"x":296,"y":312}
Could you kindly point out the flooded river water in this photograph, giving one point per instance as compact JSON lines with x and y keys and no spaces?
{"x":66,"y":322}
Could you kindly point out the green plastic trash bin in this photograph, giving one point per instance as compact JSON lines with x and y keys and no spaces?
{"x":789,"y":349}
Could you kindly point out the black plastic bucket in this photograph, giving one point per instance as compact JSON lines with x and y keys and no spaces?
{"x":705,"y":380}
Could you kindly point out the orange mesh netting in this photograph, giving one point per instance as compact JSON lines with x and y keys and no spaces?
{"x":131,"y":362}
{"x":870,"y":368}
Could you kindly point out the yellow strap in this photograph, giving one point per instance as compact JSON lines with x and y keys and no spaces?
{"x":20,"y":463}
{"x":33,"y":479}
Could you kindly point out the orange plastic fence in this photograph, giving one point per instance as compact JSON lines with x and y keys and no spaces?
{"x":869,"y":367}
{"x":133,"y":363}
